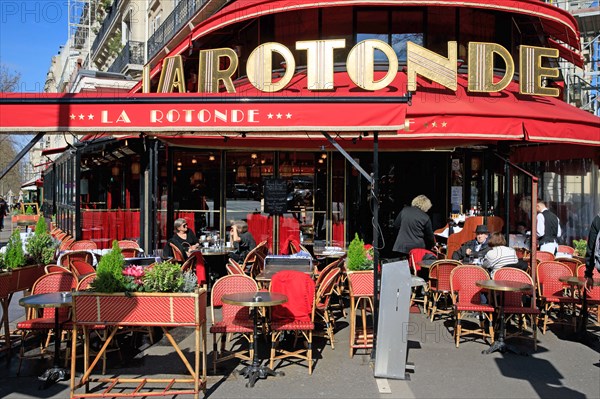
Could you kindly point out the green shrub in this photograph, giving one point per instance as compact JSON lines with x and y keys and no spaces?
{"x":163,"y":277}
{"x":109,"y":273}
{"x":357,"y":256}
{"x":40,"y":246}
{"x":14,"y":256}
{"x":29,"y":210}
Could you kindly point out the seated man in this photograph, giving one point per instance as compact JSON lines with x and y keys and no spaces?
{"x":476,"y":248}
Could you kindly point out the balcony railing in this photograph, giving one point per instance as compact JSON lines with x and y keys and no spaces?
{"x":106,"y":24}
{"x":571,"y":5}
{"x":181,"y":15}
{"x":132,"y":54}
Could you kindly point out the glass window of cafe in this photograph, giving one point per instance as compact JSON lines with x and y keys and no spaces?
{"x":210,"y":189}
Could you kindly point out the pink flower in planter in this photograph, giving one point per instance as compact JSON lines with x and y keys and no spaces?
{"x":137,"y":272}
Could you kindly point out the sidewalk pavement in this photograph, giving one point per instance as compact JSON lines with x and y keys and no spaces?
{"x":561,"y":368}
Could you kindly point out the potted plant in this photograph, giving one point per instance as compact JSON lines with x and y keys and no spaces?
{"x":580,"y":247}
{"x":359,"y":263}
{"x":40,"y":247}
{"x":156,"y":296}
{"x":19,"y":275}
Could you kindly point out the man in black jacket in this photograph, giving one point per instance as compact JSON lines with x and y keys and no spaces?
{"x":476,"y":248}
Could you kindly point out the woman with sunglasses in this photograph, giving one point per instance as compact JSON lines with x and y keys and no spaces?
{"x":183,"y":238}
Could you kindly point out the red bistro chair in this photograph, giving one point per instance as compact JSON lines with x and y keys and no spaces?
{"x":466,"y":296}
{"x":551,"y":290}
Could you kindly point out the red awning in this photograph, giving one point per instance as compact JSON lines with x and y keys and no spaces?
{"x":436,"y":113}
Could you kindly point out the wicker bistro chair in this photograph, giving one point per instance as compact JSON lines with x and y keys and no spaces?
{"x":323,"y":301}
{"x":55,"y":268}
{"x":296,"y":315}
{"x":66,"y":260}
{"x":467,"y":298}
{"x":42,"y":320}
{"x":593,"y":296}
{"x":551,"y":290}
{"x":416,"y":255}
{"x":82,"y":245}
{"x":254,"y":263}
{"x":572,"y":263}
{"x":177,"y":254}
{"x":544,"y":256}
{"x":234,"y":319}
{"x":513,"y":302}
{"x":565,"y":249}
{"x":360,"y":285}
{"x":439,"y":286}
{"x":129,"y":248}
{"x":234,"y":268}
{"x":81,"y":268}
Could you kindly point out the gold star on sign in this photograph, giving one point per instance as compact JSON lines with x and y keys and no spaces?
{"x":279,"y":116}
{"x":444,"y":124}
{"x":90,"y":117}
{"x":434,"y":124}
{"x":288,"y":115}
{"x":270,"y":116}
{"x":72,"y":116}
{"x":81,"y":116}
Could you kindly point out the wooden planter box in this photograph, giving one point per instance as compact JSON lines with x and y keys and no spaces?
{"x":19,"y":279}
{"x":25,"y":220}
{"x":139,"y":309}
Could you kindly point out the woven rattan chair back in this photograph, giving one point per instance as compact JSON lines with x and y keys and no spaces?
{"x":565,"y":249}
{"x":177,"y":254}
{"x":55,"y":269}
{"x":513,"y":299}
{"x":462,"y":283}
{"x":547,"y":276}
{"x":81,"y":245}
{"x":231,"y":284}
{"x":81,"y":268}
{"x":439,"y":274}
{"x":86,"y":282}
{"x":54,"y":282}
{"x":572,"y":263}
{"x":234,"y":268}
{"x":543,"y":256}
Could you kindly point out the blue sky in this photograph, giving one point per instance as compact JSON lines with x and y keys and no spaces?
{"x":31,"y":32}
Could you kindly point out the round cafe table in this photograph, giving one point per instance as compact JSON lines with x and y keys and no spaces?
{"x":254,"y":300}
{"x":503,"y":286}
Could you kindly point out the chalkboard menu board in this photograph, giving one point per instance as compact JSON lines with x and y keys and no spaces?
{"x":275,"y":196}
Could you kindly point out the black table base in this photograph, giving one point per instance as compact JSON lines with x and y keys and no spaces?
{"x":255,"y":372}
{"x":54,"y":374}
